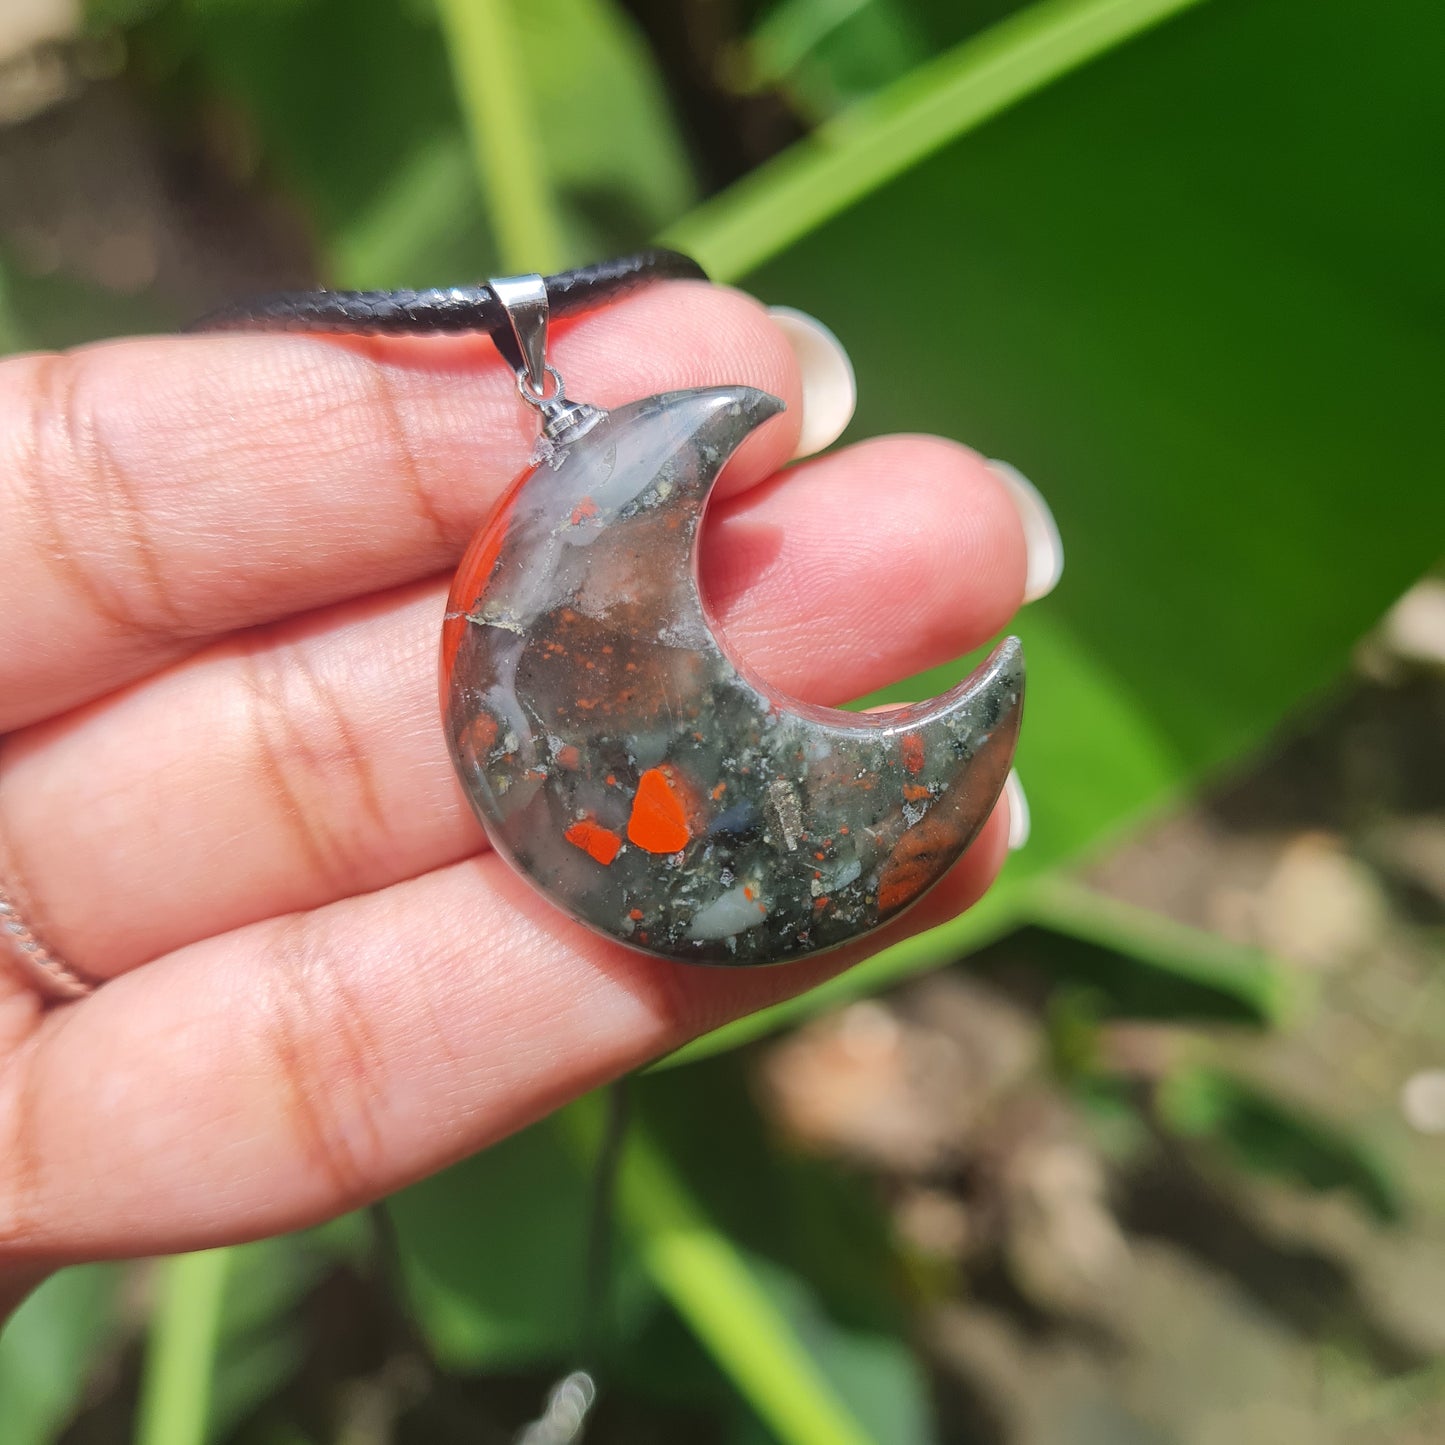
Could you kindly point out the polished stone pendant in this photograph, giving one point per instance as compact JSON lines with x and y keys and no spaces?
{"x":630,"y":769}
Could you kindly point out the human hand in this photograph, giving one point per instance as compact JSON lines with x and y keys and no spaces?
{"x":225,"y":793}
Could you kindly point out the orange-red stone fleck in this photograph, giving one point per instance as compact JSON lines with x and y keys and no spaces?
{"x":913,"y":752}
{"x":594,"y":840}
{"x":659,"y":820}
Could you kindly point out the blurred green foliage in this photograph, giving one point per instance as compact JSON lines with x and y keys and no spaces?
{"x":1179,"y":261}
{"x":1266,"y":1136}
{"x":45,"y":1351}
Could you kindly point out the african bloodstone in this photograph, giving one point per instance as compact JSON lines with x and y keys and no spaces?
{"x":633,"y":772}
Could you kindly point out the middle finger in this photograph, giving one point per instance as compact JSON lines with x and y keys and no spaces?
{"x":303,"y":763}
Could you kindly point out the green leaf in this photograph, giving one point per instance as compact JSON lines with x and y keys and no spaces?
{"x":12,"y":337}
{"x":1209,"y":330}
{"x":495,"y":1258}
{"x":1267,"y":1135}
{"x":261,"y":1340}
{"x":502,"y":123}
{"x":830,"y":53}
{"x":1143,"y":965}
{"x":353,"y":106}
{"x":872,"y":143}
{"x":102,"y":15}
{"x":619,"y":182}
{"x":816,"y":1240}
{"x":494,"y":1255}
{"x":721,"y":1297}
{"x":48,"y":1349}
{"x":180,"y":1359}
{"x":425,"y":220}
{"x":339,"y":97}
{"x":227,"y":1334}
{"x":777,"y":1276}
{"x":564,"y":187}
{"x":875,"y":1375}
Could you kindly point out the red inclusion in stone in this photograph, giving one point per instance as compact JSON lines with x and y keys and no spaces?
{"x":913,"y":752}
{"x":472,"y":577}
{"x":594,"y":840}
{"x":921,"y":855}
{"x":659,"y":820}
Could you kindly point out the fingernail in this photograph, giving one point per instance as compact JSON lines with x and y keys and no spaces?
{"x":1019,"y":823}
{"x":830,"y":390}
{"x":1041,"y":532}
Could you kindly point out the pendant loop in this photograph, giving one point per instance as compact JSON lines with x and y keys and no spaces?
{"x":538,"y":398}
{"x":524,"y":299}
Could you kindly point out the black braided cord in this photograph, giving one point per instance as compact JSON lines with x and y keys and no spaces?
{"x":445,"y":310}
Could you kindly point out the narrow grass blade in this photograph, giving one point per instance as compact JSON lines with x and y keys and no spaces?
{"x":502,"y":126}
{"x":180,"y":1353}
{"x":710,"y":1284}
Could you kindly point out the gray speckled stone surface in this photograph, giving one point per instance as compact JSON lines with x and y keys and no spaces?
{"x":626,"y":765}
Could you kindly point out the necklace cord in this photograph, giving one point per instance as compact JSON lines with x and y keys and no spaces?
{"x":446,"y":310}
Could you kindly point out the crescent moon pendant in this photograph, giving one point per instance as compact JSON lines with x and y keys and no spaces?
{"x":639,"y":777}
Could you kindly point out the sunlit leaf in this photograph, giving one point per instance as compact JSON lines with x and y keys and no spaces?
{"x":621,"y":181}
{"x":500,"y":115}
{"x":765,"y":1265}
{"x":1210,"y":333}
{"x":227,"y":1332}
{"x":869,"y":145}
{"x":102,"y":15}
{"x":340,"y":96}
{"x":261,"y":1336}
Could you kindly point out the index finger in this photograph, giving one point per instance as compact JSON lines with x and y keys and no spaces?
{"x":159,"y":493}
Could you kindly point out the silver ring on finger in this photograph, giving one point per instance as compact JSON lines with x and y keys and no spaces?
{"x":44,"y":970}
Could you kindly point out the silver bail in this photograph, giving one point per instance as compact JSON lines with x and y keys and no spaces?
{"x":524,"y":299}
